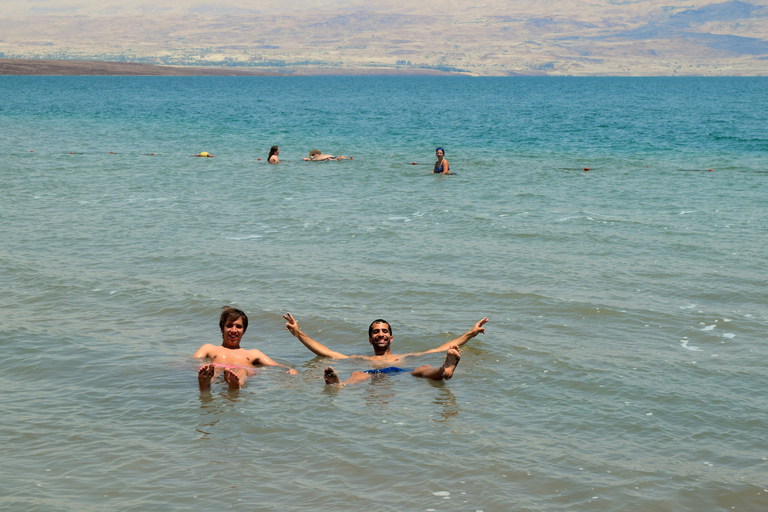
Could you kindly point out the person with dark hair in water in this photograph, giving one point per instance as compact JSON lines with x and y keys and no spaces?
{"x":235,"y":363}
{"x":380,"y":337}
{"x":441,"y":166}
{"x":274,"y":151}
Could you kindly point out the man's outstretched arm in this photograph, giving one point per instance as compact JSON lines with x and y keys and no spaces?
{"x":292,"y":326}
{"x":477,"y":329}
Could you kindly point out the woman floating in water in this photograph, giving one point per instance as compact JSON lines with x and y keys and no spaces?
{"x":318,"y":156}
{"x":273,"y":152}
{"x":441,"y":166}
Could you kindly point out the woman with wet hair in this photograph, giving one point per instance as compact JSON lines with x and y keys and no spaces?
{"x":273,"y":152}
{"x":441,"y":166}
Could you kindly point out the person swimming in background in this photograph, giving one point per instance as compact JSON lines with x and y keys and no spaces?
{"x":235,"y":363}
{"x":441,"y":166}
{"x":380,"y":337}
{"x":274,"y":151}
{"x":318,"y":156}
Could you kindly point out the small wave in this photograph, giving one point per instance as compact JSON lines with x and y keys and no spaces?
{"x":249,"y":237}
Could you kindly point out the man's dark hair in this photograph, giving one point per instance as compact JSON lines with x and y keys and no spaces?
{"x":378,"y":321}
{"x":230,"y":315}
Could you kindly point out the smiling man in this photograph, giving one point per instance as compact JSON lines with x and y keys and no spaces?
{"x":235,"y":363}
{"x":380,"y":337}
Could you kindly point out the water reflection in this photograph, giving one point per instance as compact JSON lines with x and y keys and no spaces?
{"x":446,"y":400}
{"x":380,"y":390}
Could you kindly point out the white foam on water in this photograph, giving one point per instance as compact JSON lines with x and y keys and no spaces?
{"x":441,"y":493}
{"x":684,"y":344}
{"x":729,"y":335}
{"x":249,"y":237}
{"x":708,"y":327}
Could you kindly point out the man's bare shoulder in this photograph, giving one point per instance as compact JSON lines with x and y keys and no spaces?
{"x":253,"y":353}
{"x":205,"y":350}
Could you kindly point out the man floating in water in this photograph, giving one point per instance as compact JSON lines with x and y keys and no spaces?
{"x":234,"y":362}
{"x":318,"y":156}
{"x":380,"y":337}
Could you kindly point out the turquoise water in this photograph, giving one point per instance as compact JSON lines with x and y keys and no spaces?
{"x":624,"y":364}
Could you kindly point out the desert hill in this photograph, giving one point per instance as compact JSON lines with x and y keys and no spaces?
{"x":646,"y":37}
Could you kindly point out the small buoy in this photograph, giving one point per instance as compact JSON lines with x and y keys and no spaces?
{"x":259,"y":159}
{"x":151,"y":154}
{"x":111,"y":152}
{"x":32,"y":151}
{"x":414,"y":163}
{"x":71,"y":152}
{"x":204,"y":154}
{"x":586,"y":168}
{"x":710,"y":170}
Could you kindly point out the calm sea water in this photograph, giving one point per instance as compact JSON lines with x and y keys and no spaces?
{"x":624,"y":366}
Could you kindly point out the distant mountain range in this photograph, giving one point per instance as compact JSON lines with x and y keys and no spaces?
{"x":647,"y":37}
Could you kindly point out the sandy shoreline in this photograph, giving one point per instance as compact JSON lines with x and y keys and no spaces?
{"x":106,"y":68}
